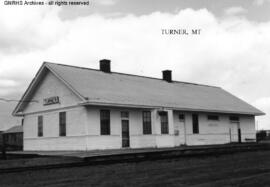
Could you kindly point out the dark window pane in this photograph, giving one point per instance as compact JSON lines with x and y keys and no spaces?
{"x":181,"y":117}
{"x":195,"y":123}
{"x":124,"y":114}
{"x":234,"y":118}
{"x":40,"y":125}
{"x":164,"y":123}
{"x":213,"y":117}
{"x":62,"y":123}
{"x":147,"y":129}
{"x":105,"y":122}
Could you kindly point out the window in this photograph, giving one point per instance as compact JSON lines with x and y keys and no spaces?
{"x":62,"y":123}
{"x":147,"y":129}
{"x":124,"y":114}
{"x":234,"y":118}
{"x":40,"y":126}
{"x":195,"y":123}
{"x":181,"y":117}
{"x":164,"y":123}
{"x":213,"y":117}
{"x":105,"y":122}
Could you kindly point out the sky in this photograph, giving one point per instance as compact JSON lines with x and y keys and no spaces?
{"x":232,"y":51}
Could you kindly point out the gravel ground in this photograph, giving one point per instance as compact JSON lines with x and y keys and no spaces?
{"x":239,"y":169}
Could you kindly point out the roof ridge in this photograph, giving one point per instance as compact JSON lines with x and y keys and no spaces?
{"x":142,"y":76}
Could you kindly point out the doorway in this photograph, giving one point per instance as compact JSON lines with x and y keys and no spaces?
{"x":179,"y":130}
{"x":234,"y":134}
{"x":125,"y":133}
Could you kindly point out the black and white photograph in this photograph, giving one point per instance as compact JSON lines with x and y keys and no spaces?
{"x":134,"y":93}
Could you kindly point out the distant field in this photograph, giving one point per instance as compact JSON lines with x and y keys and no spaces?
{"x":239,"y":169}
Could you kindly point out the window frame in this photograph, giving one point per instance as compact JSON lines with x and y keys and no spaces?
{"x":182,"y":118}
{"x":195,"y":124}
{"x":40,"y":126}
{"x":233,"y":120}
{"x":213,"y":117}
{"x":147,"y":122}
{"x":105,"y":122}
{"x":62,"y":124}
{"x":124,"y":114}
{"x":164,"y":123}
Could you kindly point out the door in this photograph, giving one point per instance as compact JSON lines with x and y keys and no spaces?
{"x":125,"y":133}
{"x":179,"y":133}
{"x":234,"y":131}
{"x":179,"y":130}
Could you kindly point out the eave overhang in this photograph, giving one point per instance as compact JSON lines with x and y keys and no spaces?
{"x":109,"y":104}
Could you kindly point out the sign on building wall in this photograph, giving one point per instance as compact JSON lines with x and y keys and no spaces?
{"x":51,"y":100}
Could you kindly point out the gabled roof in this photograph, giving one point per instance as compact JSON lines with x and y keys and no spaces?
{"x":117,"y":89}
{"x":26,"y":98}
{"x":14,"y":129}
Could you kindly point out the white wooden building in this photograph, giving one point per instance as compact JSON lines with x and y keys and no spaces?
{"x":74,"y":108}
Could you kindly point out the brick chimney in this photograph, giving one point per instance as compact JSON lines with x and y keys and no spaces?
{"x":105,"y":65}
{"x":167,"y":75}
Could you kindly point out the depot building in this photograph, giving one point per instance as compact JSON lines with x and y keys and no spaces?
{"x":75,"y":108}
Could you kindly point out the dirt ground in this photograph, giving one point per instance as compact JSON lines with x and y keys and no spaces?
{"x":38,"y":161}
{"x":239,"y":169}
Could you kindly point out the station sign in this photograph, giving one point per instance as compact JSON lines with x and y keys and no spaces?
{"x":51,"y":100}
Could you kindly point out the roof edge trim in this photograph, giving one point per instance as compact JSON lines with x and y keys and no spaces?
{"x":29,"y":88}
{"x":165,"y":107}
